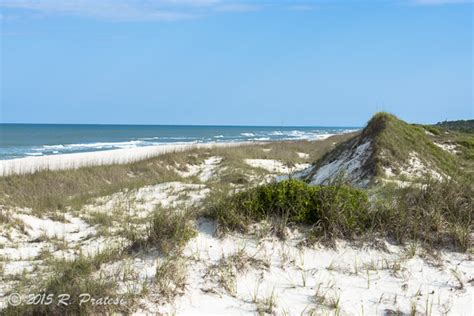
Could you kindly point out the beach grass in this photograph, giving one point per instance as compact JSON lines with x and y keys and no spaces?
{"x":168,"y":230}
{"x":71,"y":277}
{"x":435,"y":213}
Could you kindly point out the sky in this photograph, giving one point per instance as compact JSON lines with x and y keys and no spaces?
{"x":238,"y":62}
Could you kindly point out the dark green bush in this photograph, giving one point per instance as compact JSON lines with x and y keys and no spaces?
{"x":337,"y":209}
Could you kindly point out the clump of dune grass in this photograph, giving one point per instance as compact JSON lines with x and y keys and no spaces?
{"x":335,"y":210}
{"x":267,"y":305}
{"x":101,"y":218}
{"x":3,"y":217}
{"x":171,"y":230}
{"x":170,"y":277}
{"x":168,"y":230}
{"x":433,"y":212}
{"x":225,"y":271}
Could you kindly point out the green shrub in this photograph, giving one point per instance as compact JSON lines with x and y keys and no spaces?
{"x":337,"y":209}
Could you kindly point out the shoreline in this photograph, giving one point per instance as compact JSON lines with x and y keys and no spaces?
{"x":30,"y":165}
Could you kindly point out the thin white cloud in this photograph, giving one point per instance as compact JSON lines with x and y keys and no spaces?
{"x":439,"y":2}
{"x":237,"y":7}
{"x":301,"y":7}
{"x":126,"y":10}
{"x":165,"y":10}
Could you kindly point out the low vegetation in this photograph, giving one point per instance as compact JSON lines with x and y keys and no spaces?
{"x":462,"y":143}
{"x":170,"y":277}
{"x":169,"y":230}
{"x":434,"y":213}
{"x":226,"y":270}
{"x":72,"y":278}
{"x":336,"y":210}
{"x":57,"y":190}
{"x":459,"y":125}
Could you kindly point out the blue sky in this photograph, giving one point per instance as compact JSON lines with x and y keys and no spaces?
{"x":235,"y":62}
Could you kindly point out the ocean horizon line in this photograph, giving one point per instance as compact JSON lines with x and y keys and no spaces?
{"x":185,"y":125}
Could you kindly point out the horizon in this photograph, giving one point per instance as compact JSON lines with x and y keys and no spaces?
{"x":230,"y":125}
{"x":235,"y":63}
{"x":188,"y":125}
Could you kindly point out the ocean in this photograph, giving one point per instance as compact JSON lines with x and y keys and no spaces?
{"x":25,"y":140}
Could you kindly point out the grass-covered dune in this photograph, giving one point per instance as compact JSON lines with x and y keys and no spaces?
{"x":395,"y":140}
{"x":391,"y":148}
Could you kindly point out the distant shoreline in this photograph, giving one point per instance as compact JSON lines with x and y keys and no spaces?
{"x":69,"y":161}
{"x":21,"y":141}
{"x":29,"y":165}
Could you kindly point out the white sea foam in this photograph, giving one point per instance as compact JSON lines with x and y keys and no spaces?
{"x":297,"y":134}
{"x":99,"y":145}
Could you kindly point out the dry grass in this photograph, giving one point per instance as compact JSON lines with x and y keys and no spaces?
{"x":73,"y":278}
{"x":435,"y":213}
{"x":170,"y":278}
{"x":225,"y":271}
{"x":170,"y":230}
